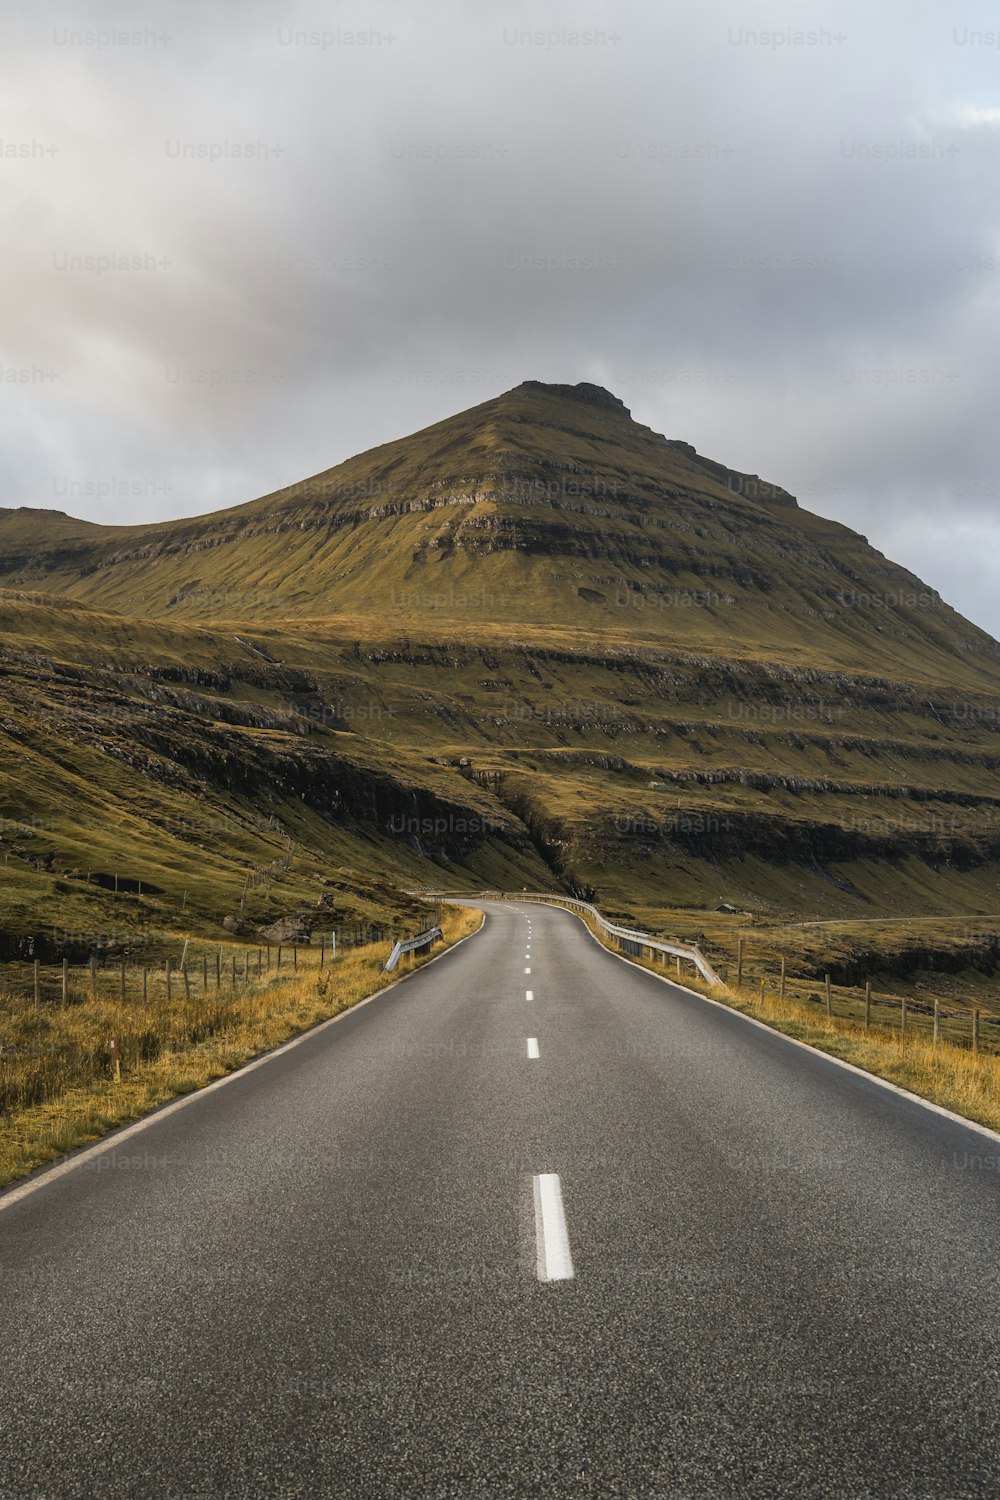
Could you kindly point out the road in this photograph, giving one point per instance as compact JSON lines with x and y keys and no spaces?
{"x":672,"y":1255}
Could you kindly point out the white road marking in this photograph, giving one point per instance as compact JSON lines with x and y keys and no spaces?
{"x":527,"y":971}
{"x":532,"y":1046}
{"x":529,"y":994}
{"x":551,"y":1237}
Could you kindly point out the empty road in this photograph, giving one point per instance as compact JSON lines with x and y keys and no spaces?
{"x":532,"y":1223}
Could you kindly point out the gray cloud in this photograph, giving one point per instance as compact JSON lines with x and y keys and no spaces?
{"x":772,"y":231}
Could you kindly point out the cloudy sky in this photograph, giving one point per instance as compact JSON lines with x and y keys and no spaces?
{"x":243,"y":241}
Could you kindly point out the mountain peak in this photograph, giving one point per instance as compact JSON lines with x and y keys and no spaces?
{"x":591,"y":395}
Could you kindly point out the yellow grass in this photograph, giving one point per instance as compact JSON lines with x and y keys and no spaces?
{"x":57,"y":1089}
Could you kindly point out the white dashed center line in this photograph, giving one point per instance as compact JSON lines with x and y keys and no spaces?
{"x":527,"y":971}
{"x":532,"y":1046}
{"x":551,"y":1237}
{"x":529,"y":994}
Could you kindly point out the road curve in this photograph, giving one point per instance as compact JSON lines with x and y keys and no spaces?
{"x":662,"y":1253}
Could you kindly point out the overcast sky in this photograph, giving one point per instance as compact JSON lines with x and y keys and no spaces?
{"x":772,"y":230}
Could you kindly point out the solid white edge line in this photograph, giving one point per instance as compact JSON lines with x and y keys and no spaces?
{"x":554,"y":1262}
{"x":837,"y":1062}
{"x":532,"y":1046}
{"x":47,"y":1174}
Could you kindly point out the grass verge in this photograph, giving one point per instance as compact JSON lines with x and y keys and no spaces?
{"x":57,"y":1091}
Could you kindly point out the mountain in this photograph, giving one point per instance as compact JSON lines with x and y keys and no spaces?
{"x":534,"y":643}
{"x":546,"y":507}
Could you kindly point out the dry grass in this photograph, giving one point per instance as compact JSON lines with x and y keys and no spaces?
{"x":953,"y":1076}
{"x":57,"y":1089}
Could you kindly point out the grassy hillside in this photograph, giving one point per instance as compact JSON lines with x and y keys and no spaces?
{"x":152,"y":777}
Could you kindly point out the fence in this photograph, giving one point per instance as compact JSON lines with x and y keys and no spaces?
{"x":83,"y":958}
{"x":34,"y":983}
{"x":68,"y":984}
{"x":936,"y":1020}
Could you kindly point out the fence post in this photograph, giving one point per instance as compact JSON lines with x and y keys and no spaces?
{"x":739,"y":962}
{"x":65,"y":981}
{"x":187,"y":981}
{"x":295,"y":955}
{"x":781,"y":989}
{"x":116,"y":1060}
{"x":218,"y":968}
{"x":937,"y":1020}
{"x":322,"y":948}
{"x":145,"y":979}
{"x":975,"y":1031}
{"x":38,"y":987}
{"x":204,"y":975}
{"x":123,"y":980}
{"x":678,"y":965}
{"x":902,"y":1015}
{"x":868,"y":1002}
{"x":234,"y":972}
{"x":829,"y":997}
{"x":278,"y":964}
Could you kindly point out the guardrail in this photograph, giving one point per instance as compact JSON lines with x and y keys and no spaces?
{"x":411,"y":945}
{"x":628,"y":938}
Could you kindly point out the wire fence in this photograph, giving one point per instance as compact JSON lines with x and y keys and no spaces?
{"x":189,"y":971}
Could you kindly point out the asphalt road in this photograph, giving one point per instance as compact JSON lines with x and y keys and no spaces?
{"x":673,"y":1255}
